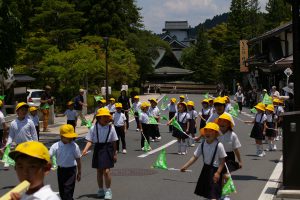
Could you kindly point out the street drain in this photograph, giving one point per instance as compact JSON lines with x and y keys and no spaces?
{"x":132,"y":172}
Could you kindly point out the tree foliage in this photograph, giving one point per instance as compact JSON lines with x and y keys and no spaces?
{"x":278,"y":11}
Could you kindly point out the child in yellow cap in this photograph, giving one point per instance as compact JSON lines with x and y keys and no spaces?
{"x":33,"y":115}
{"x":111,"y":106}
{"x":205,"y":112}
{"x":144,"y":126}
{"x":136,"y":106}
{"x":278,"y":110}
{"x":119,"y":121}
{"x":3,"y":127}
{"x":258,"y":130}
{"x":209,"y":184}
{"x":100,"y":104}
{"x":67,"y":155}
{"x":192,"y":122}
{"x":271,"y":128}
{"x":172,"y":108}
{"x":154,"y":112}
{"x":22,"y":129}
{"x":71,"y":114}
{"x":103,"y":135}
{"x":33,"y":164}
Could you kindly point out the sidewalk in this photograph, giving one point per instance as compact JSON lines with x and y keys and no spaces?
{"x":81,"y":130}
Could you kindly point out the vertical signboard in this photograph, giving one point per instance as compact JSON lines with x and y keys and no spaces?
{"x":243,"y":55}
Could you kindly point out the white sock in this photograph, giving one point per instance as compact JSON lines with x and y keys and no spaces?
{"x":257,"y":148}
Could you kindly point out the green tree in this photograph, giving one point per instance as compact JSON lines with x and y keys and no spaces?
{"x":278,"y":11}
{"x":10,"y":34}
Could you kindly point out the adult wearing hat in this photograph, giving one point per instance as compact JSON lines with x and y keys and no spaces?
{"x":78,"y":105}
{"x":22,"y":129}
{"x":46,"y":102}
{"x":124,"y":100}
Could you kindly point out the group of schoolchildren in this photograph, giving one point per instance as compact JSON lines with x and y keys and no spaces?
{"x":219,"y":146}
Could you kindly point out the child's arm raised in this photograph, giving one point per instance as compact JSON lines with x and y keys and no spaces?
{"x":189,"y":163}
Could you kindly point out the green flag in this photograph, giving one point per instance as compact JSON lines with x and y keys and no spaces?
{"x":234,"y":111}
{"x":161,"y":161}
{"x":228,"y":188}
{"x":176,"y":125}
{"x":164,"y":117}
{"x":2,"y":97}
{"x":89,"y":124}
{"x":131,"y":112}
{"x":146,"y":146}
{"x":83,"y":122}
{"x":6,"y":159}
{"x":98,"y":98}
{"x":164,"y":103}
{"x":206,"y":95}
{"x":267,"y":100}
{"x":54,"y":164}
{"x":253,"y":110}
{"x":152,"y":120}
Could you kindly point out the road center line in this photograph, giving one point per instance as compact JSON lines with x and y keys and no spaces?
{"x":271,"y":186}
{"x":157,"y":149}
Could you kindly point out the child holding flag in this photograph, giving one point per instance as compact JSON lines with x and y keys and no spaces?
{"x":192,"y":122}
{"x":101,"y":104}
{"x":205,"y":112}
{"x":271,"y":127}
{"x":119,"y":121}
{"x":35,"y":118}
{"x":172,"y":108}
{"x":209,"y":184}
{"x":154,"y":112}
{"x":21,"y":129}
{"x":182,"y":117}
{"x":258,"y":129}
{"x":104,"y":136}
{"x":33,"y":157}
{"x":67,"y":155}
{"x":136,"y":106}
{"x":71,"y":114}
{"x":144,"y":126}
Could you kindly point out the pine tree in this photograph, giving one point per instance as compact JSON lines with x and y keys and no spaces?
{"x":278,"y":11}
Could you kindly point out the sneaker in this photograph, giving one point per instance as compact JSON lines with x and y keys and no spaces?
{"x":274,"y":147}
{"x":151,"y":140}
{"x":124,"y":151}
{"x":100,"y":193}
{"x":143,"y":148}
{"x":179,"y":153}
{"x":192,"y":145}
{"x":159,"y":138}
{"x":260,"y":154}
{"x":108,"y":194}
{"x":264,"y":153}
{"x":137,"y":130}
{"x":183,"y":153}
{"x":277,"y":138}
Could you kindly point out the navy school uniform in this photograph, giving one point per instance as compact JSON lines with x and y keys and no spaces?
{"x":172,"y":111}
{"x":192,"y":120}
{"x":258,"y":128}
{"x":205,"y":113}
{"x":182,"y":119}
{"x":270,"y":131}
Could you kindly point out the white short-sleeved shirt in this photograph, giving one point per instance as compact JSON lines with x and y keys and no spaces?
{"x":172,"y":107}
{"x":102,"y":133}
{"x":119,"y":119}
{"x":230,"y":141}
{"x":215,"y":116}
{"x":22,"y":131}
{"x":44,"y":193}
{"x":193,"y":114}
{"x":205,"y":111}
{"x":2,"y":120}
{"x":66,"y":154}
{"x":260,"y":118}
{"x":208,"y":150}
{"x":144,"y":118}
{"x":279,"y":110}
{"x":182,"y":117}
{"x":239,"y":97}
{"x":111,"y":108}
{"x":136,"y":106}
{"x":35,"y":119}
{"x":154,"y":112}
{"x":71,"y":114}
{"x":270,"y":117}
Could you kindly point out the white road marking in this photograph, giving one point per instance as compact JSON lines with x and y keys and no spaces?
{"x":157,"y":149}
{"x":271,"y":186}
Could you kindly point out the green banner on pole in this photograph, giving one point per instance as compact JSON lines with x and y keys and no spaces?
{"x":161,"y":161}
{"x":6,"y":159}
{"x":228,"y":188}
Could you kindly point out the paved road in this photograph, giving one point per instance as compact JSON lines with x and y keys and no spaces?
{"x":133,"y":177}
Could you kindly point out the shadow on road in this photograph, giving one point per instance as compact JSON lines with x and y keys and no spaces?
{"x":90,"y":196}
{"x":246,"y":178}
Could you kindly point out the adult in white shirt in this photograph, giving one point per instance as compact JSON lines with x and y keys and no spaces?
{"x":274,"y":92}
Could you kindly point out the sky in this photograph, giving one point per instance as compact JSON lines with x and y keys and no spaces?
{"x":156,"y":12}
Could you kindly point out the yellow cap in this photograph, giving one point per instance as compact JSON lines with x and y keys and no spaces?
{"x":276,"y":100}
{"x":21,"y":104}
{"x":205,"y":101}
{"x":153,"y":99}
{"x":112,"y":99}
{"x":227,"y":117}
{"x":219,"y":100}
{"x":118,"y":105}
{"x":260,"y":106}
{"x":173,"y":100}
{"x":145,"y":104}
{"x":227,"y":98}
{"x":136,"y":97}
{"x":1,"y":103}
{"x":103,"y":101}
{"x":270,"y":107}
{"x":210,"y":99}
{"x":67,"y":131}
{"x":212,"y":126}
{"x":70,"y":103}
{"x":182,"y":96}
{"x":281,"y":101}
{"x":190,"y":103}
{"x":33,"y":108}
{"x":183,"y":103}
{"x":103,"y":112}
{"x":33,"y":149}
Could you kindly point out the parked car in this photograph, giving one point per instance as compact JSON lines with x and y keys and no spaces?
{"x":34,"y":97}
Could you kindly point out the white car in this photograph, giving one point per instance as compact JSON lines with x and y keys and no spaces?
{"x":34,"y":97}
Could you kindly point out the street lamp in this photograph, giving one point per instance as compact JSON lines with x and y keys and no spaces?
{"x":106,"y":39}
